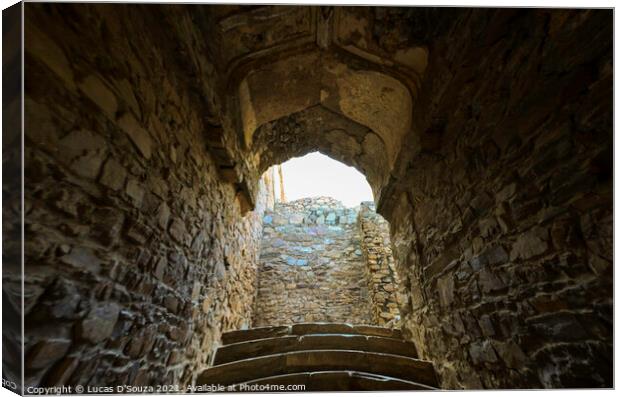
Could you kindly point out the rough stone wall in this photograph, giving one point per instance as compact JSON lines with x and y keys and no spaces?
{"x":311,"y":265}
{"x":12,"y":187}
{"x":502,"y":219}
{"x":499,"y":197}
{"x":137,"y":255}
{"x":381,"y":276}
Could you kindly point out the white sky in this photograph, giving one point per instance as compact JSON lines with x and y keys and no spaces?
{"x":318,"y":175}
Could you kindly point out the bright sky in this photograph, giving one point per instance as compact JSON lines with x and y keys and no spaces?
{"x":318,"y":175}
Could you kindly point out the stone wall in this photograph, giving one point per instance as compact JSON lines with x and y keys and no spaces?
{"x":311,"y":265}
{"x":495,"y":175}
{"x":137,"y":252}
{"x":12,"y":187}
{"x":381,"y":276}
{"x":502,"y":220}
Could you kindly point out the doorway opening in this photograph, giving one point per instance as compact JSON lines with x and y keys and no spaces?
{"x":325,"y":253}
{"x":318,"y":175}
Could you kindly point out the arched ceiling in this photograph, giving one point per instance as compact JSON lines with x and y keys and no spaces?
{"x":302,"y":62}
{"x":249,"y":34}
{"x":373,"y":99}
{"x":320,"y":129}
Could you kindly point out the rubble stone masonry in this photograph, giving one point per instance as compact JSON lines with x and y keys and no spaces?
{"x":313,"y":266}
{"x":381,"y":276}
{"x":137,"y":254}
{"x":485,"y":134}
{"x":503,"y":231}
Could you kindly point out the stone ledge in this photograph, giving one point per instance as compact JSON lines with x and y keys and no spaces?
{"x":306,"y":329}
{"x":409,"y":369}
{"x":290,"y":343}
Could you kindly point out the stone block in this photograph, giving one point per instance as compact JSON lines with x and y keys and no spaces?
{"x":46,"y":352}
{"x":482,"y":352}
{"x":82,"y":258}
{"x":98,"y":92}
{"x":489,"y":282}
{"x":486,"y":325}
{"x":138,"y":136}
{"x":530,"y":244}
{"x":296,"y":219}
{"x":178,"y":231}
{"x":495,"y":255}
{"x":135,"y":191}
{"x":561,"y":326}
{"x":108,"y":224}
{"x":138,"y":232}
{"x":163,"y":215}
{"x":511,"y":354}
{"x":160,"y":268}
{"x":113,"y":175}
{"x":89,"y":164}
{"x":99,"y":323}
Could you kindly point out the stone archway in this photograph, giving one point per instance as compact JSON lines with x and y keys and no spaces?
{"x":455,"y":186}
{"x":320,"y":103}
{"x":321,"y":57}
{"x":143,"y":179}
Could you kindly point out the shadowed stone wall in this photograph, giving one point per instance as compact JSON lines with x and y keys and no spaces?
{"x":321,"y":261}
{"x":137,"y":254}
{"x":311,"y":265}
{"x":381,"y":276}
{"x":148,"y":127}
{"x":502,"y":222}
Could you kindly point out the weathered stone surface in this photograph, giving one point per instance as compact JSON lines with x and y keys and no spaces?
{"x":445,"y":286}
{"x":560,"y":326}
{"x":283,"y":344}
{"x":488,"y":159}
{"x":97,"y":91}
{"x":46,"y":352}
{"x":306,"y":329}
{"x":178,"y":231}
{"x":108,"y":225}
{"x":529,"y":244}
{"x":113,"y":175}
{"x":381,"y":275}
{"x":302,"y":361}
{"x":531,"y":167}
{"x":310,"y":270}
{"x":135,"y":192}
{"x":99,"y":323}
{"x":482,"y":352}
{"x":137,"y":134}
{"x":489,"y":282}
{"x":163,"y":215}
{"x":511,"y":354}
{"x":82,"y":258}
{"x":255,"y":333}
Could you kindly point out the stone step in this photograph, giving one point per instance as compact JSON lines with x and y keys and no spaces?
{"x":290,"y":343}
{"x":335,"y":381}
{"x":395,"y":366}
{"x":306,"y":329}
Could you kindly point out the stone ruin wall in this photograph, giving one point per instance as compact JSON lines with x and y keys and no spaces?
{"x":137,"y":255}
{"x":503,"y":232}
{"x":381,"y":276}
{"x":313,"y":266}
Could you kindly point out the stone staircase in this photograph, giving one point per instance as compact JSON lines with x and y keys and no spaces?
{"x":321,"y":356}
